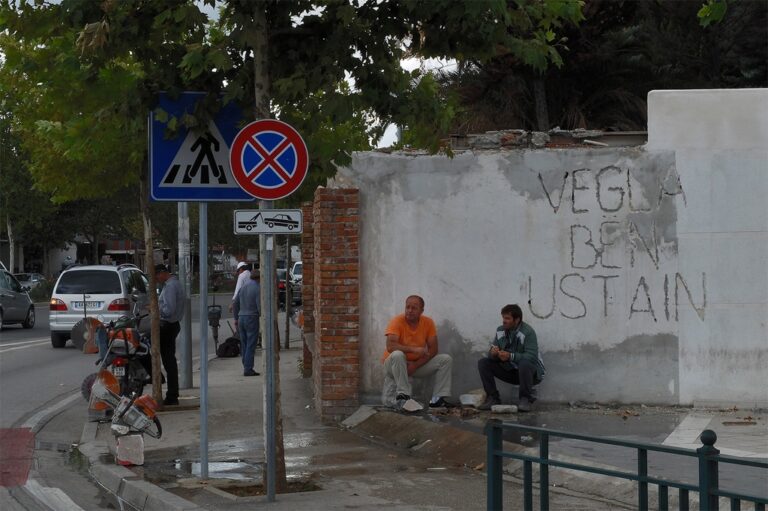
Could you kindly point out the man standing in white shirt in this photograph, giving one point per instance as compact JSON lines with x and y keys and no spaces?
{"x":242,"y":277}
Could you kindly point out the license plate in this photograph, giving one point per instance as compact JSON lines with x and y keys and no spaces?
{"x":118,"y":371}
{"x":90,"y":305}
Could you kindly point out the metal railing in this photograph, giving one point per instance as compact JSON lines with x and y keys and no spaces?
{"x":708,"y":456}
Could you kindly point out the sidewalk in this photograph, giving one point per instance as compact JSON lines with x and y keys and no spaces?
{"x":382,"y":459}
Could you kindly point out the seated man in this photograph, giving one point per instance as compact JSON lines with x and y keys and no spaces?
{"x":412,"y":351}
{"x":513,"y":358}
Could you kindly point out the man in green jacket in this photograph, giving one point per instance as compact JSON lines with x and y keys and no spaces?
{"x":514,"y":358}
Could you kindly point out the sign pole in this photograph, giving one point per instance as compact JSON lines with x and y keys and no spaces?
{"x":185,"y":276}
{"x":203,"y":254}
{"x":269,"y":388}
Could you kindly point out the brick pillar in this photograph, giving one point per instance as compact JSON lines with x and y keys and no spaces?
{"x":307,"y":286}
{"x":336,"y":364}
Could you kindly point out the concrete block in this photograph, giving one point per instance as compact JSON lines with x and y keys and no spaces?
{"x":729,"y":119}
{"x":504,"y":409}
{"x":412,"y":406}
{"x":539,"y":138}
{"x":472,"y":399}
{"x":490,"y":140}
{"x":361,"y":415}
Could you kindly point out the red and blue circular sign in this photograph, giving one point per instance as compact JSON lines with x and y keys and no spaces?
{"x":269,"y":159}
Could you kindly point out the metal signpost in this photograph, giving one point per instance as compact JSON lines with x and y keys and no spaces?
{"x":269,"y":160}
{"x":194,"y":167}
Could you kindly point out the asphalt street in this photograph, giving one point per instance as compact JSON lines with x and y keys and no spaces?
{"x":42,"y":416}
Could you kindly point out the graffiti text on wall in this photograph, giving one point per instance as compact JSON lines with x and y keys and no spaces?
{"x":613,"y":254}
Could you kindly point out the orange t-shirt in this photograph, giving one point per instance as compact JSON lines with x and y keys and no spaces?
{"x":410,"y":336}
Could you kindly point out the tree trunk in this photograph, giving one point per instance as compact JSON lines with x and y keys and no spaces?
{"x":540,"y":97}
{"x":95,"y":250}
{"x":11,"y":244}
{"x":154,"y":309}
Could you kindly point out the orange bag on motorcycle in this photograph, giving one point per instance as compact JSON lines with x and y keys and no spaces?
{"x":125,"y":341}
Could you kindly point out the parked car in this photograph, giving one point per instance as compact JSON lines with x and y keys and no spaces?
{"x":281,"y":283}
{"x":296,"y":271}
{"x":100,"y":291}
{"x":15,"y":304}
{"x":30,"y":280}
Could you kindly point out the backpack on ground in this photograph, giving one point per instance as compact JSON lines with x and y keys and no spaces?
{"x":229,"y":348}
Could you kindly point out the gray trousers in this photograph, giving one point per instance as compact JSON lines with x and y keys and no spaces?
{"x":396,"y":376}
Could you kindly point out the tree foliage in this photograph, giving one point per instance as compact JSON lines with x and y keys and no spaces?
{"x":87,"y":73}
{"x":622,"y":50}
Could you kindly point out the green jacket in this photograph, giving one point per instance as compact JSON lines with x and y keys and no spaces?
{"x":522,"y":344}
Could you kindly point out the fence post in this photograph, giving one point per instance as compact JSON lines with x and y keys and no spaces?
{"x":708,"y":473}
{"x":494,"y":463}
{"x":544,"y":472}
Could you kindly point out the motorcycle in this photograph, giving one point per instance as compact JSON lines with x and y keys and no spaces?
{"x":124,"y":353}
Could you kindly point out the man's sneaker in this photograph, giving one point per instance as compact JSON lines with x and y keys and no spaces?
{"x":489,"y":402}
{"x":524,"y":405}
{"x":250,"y":372}
{"x":442,"y":402}
{"x":170,"y":401}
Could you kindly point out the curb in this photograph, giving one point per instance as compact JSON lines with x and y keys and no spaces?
{"x":122,"y":482}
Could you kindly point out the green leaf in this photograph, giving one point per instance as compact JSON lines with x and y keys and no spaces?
{"x":161,"y":115}
{"x":712,"y":12}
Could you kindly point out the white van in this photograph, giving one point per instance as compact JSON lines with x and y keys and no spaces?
{"x":296,"y":272}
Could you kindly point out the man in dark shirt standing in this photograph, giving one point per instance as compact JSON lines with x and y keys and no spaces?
{"x":171,"y":312}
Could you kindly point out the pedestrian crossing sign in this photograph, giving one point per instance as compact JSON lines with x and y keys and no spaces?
{"x":194,"y":165}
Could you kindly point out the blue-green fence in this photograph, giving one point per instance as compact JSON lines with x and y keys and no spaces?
{"x":708,"y":466}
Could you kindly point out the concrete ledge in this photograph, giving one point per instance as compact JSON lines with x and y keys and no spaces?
{"x":162,"y":500}
{"x":111,"y":477}
{"x":708,"y":404}
{"x":135,"y":493}
{"x":124,"y":483}
{"x":89,"y":432}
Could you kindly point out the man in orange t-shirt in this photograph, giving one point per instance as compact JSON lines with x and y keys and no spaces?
{"x":412,"y":351}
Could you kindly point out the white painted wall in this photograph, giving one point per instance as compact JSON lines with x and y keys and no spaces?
{"x":720,"y":139}
{"x":658,"y":257}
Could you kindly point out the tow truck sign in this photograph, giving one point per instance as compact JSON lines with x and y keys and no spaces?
{"x":268,"y":221}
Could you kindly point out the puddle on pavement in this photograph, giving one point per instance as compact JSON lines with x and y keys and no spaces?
{"x":172,"y":472}
{"x":80,"y":464}
{"x":41,"y":445}
{"x":238,"y":477}
{"x":237,"y":470}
